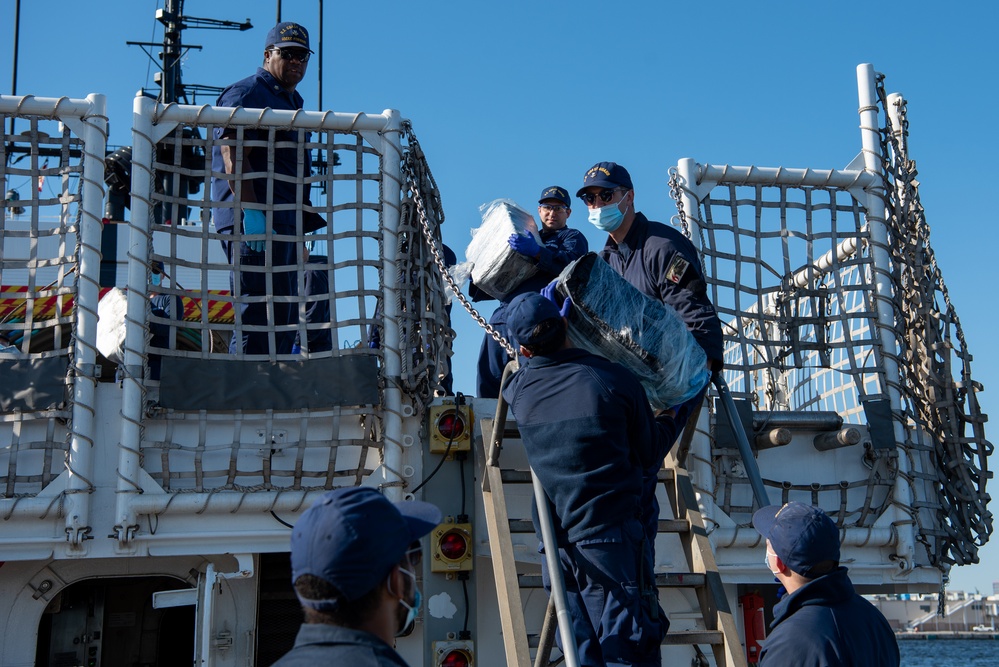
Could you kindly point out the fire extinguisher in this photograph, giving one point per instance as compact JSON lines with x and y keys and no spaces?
{"x":752,"y":621}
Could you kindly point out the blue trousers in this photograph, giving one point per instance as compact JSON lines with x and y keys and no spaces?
{"x":610,"y":594}
{"x":317,"y":283}
{"x":492,"y":358}
{"x":253,"y":283}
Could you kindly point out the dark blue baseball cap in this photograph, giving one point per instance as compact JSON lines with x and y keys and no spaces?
{"x":288,"y":35}
{"x":352,"y":537}
{"x":528,"y":311}
{"x":556,"y":192}
{"x":606,"y":175}
{"x":801,"y":535}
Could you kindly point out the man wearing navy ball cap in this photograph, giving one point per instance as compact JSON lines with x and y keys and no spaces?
{"x":589,"y":434}
{"x":354,"y":559}
{"x":822,"y":620}
{"x":278,"y":202}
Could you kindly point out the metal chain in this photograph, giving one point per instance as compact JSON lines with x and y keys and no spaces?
{"x":943,"y":406}
{"x":675,"y":194}
{"x":415,"y":153}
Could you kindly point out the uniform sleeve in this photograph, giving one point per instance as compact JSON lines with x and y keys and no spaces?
{"x":561,"y":250}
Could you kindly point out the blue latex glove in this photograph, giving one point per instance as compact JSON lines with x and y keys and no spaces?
{"x":254,"y":222}
{"x":548,"y":291}
{"x":524,"y":244}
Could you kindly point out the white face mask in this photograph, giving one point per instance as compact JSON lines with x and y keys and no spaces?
{"x":766,"y":559}
{"x":607,"y":218}
{"x":411,"y":610}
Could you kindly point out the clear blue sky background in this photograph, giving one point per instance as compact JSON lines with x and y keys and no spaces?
{"x":509,"y":97}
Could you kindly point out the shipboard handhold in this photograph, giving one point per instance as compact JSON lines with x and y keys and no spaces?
{"x":612,"y":318}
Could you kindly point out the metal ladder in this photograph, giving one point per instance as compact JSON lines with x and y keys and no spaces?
{"x":720,"y":631}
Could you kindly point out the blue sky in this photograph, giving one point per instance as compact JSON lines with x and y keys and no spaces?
{"x":507,"y":98}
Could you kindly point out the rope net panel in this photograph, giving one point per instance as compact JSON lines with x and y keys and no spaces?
{"x":40,"y":172}
{"x":235,"y":449}
{"x":940,"y":392}
{"x":792,"y":279}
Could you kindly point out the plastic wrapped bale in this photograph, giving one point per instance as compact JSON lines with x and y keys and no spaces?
{"x":111,"y":310}
{"x":496,"y":268}
{"x":612,"y":318}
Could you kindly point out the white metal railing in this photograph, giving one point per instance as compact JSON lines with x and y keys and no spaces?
{"x":69,"y":251}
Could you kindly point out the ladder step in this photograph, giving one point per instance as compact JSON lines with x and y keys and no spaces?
{"x":712,"y":637}
{"x":666,"y":475}
{"x":686,"y":637}
{"x":665,"y":526}
{"x":510,"y":476}
{"x":663,"y":580}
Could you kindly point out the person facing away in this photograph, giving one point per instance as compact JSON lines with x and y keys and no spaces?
{"x":560,"y":245}
{"x":354,"y":559}
{"x":589,"y":433}
{"x":822,"y":621}
{"x":263,"y":203}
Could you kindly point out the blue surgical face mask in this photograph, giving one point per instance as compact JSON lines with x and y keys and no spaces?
{"x":411,"y":610}
{"x":156,"y":279}
{"x":607,"y":218}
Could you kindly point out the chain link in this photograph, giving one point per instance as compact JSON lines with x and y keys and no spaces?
{"x":676,"y":194}
{"x":944,"y":407}
{"x":415,"y":161}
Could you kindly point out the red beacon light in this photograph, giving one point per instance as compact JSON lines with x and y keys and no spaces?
{"x":456,"y":658}
{"x":450,"y":428}
{"x":451,"y":547}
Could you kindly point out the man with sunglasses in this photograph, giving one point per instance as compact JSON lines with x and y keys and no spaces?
{"x":280,"y":204}
{"x":559,"y":246}
{"x":655,"y":258}
{"x":355,"y":557}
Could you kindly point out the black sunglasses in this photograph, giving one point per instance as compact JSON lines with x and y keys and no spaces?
{"x":293,"y":54}
{"x":605,"y":195}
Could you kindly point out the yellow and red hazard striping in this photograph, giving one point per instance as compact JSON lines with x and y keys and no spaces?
{"x":53,"y":306}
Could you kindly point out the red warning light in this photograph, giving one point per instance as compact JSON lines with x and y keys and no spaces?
{"x":450,"y":425}
{"x":456,"y":658}
{"x":453,"y":545}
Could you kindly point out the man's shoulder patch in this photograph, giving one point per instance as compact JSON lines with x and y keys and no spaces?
{"x":677,"y":267}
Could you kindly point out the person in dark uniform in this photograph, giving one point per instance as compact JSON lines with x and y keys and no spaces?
{"x":590,"y":433}
{"x":354,"y":559}
{"x":317,"y":284}
{"x":822,"y":621}
{"x":656,"y":259}
{"x":661,"y":263}
{"x":264,"y":202}
{"x":561,"y":245}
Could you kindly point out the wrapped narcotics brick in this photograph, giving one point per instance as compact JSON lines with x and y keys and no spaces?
{"x":498,"y":269}
{"x":612,"y":318}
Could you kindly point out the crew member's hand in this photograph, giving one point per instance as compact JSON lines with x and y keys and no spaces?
{"x":525,"y":244}
{"x":254,"y":222}
{"x":548,"y":291}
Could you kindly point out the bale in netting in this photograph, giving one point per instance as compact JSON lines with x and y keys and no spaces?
{"x":496,"y":268}
{"x":611,"y":318}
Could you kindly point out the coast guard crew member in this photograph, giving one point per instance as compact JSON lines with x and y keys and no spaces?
{"x":661,"y":263}
{"x":822,"y":621}
{"x":263,"y":202}
{"x":561,"y":245}
{"x":590,"y":433}
{"x":354,"y":557}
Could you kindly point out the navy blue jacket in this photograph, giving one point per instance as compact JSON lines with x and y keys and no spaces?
{"x":589,"y":433}
{"x":262,"y":91}
{"x":663,"y":264}
{"x":320,"y":644}
{"x":826,"y":624}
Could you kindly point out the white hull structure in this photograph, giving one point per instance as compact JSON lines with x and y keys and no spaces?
{"x":145,"y":507}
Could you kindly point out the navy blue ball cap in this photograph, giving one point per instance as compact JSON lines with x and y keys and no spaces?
{"x":801,"y":535}
{"x":526,"y":312}
{"x":352,"y":537}
{"x":288,"y":35}
{"x":606,"y":175}
{"x":556,"y":192}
